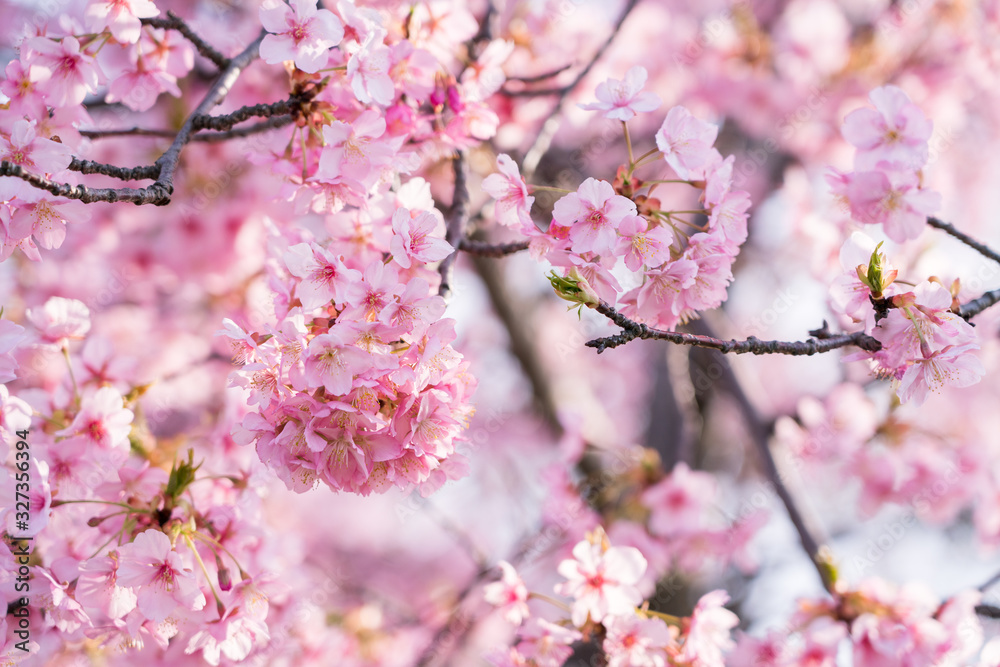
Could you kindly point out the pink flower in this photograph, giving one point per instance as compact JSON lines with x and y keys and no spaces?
{"x":37,"y":215}
{"x":954,"y":365}
{"x":510,"y":594}
{"x":686,"y":142}
{"x":895,"y":131}
{"x":513,"y":205}
{"x":333,"y":361}
{"x":11,"y":336}
{"x":25,"y":148}
{"x":324,"y":276}
{"x":678,"y":502}
{"x":659,"y":299}
{"x":417,"y":235}
{"x":98,"y":587}
{"x":593,"y":214}
{"x":643,"y":246}
{"x":708,"y":633}
{"x":300,"y":33}
{"x":602,"y":581}
{"x":893,"y":198}
{"x":368,"y":72}
{"x":60,"y":319}
{"x":354,"y":151}
{"x":546,"y":643}
{"x":622,"y":100}
{"x":484,"y":76}
{"x":161,"y":581}
{"x":120,"y":17}
{"x":61,"y":70}
{"x":633,"y":641}
{"x":103,"y":420}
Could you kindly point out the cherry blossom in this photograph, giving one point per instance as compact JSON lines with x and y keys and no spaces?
{"x":593,"y":214}
{"x":622,"y":100}
{"x":120,"y":17}
{"x":686,"y":142}
{"x":509,"y":594}
{"x":61,"y":69}
{"x":158,"y":575}
{"x":513,"y":204}
{"x":895,"y":131}
{"x":298,"y":32}
{"x":601,"y":580}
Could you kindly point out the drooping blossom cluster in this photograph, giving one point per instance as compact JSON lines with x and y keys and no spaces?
{"x":925,"y":344}
{"x":602,"y":582}
{"x":126,"y":555}
{"x":679,"y":261}
{"x":886,"y":185}
{"x":357,"y":385}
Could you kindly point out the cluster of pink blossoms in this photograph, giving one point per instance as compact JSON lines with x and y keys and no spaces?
{"x":681,"y":267}
{"x":892,"y":148}
{"x":925,"y":344}
{"x":602,"y":582}
{"x":124,"y":554}
{"x":357,"y":384}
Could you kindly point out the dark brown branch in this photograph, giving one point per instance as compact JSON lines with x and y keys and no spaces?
{"x":752,"y":345}
{"x":458,"y":218}
{"x":760,"y":433}
{"x":551,"y":123}
{"x":981,"y":248}
{"x":987,"y":610}
{"x":227,"y":121}
{"x":159,"y":192}
{"x":174,"y":22}
{"x":269,"y":124}
{"x":149,"y":172}
{"x":484,"y":249}
{"x":536,"y":78}
{"x":978,"y":305}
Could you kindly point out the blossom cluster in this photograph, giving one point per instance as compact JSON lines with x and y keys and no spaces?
{"x":126,"y":554}
{"x":925,"y":344}
{"x":357,"y":384}
{"x":886,"y":185}
{"x":680,"y":267}
{"x":601,"y":581}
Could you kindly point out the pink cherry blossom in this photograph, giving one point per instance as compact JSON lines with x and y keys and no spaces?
{"x":11,"y":335}
{"x":120,"y":17}
{"x":708,"y":633}
{"x":417,"y":235}
{"x":25,"y":148}
{"x":103,"y":420}
{"x":641,"y":245}
{"x":356,"y":151}
{"x":895,"y":131}
{"x":156,"y":572}
{"x":678,"y":503}
{"x":622,"y":100}
{"x":686,"y":142}
{"x":61,"y":319}
{"x":633,"y":641}
{"x":513,"y":204}
{"x":593,"y":214}
{"x":954,"y":365}
{"x":368,"y":72}
{"x":61,"y":70}
{"x":509,"y":594}
{"x":601,"y":581}
{"x":98,"y":587}
{"x":298,"y":32}
{"x":333,"y":361}
{"x":893,"y":198}
{"x":325,"y":278}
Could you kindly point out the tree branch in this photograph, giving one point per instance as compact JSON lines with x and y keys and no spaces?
{"x":160,"y":191}
{"x":551,"y":124}
{"x":174,"y":22}
{"x":760,"y":433}
{"x":458,"y":218}
{"x":484,"y":249}
{"x":981,"y":248}
{"x":752,"y":345}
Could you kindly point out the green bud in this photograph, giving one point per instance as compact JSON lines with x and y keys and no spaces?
{"x":574,"y":288}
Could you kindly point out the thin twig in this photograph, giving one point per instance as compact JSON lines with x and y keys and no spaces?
{"x":160,"y":191}
{"x":551,"y":124}
{"x":269,"y":124}
{"x":979,"y":247}
{"x":458,"y":218}
{"x":536,"y":78}
{"x":174,"y":22}
{"x":760,"y":432}
{"x":495,"y":250}
{"x":752,"y":345}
